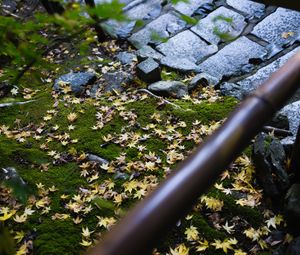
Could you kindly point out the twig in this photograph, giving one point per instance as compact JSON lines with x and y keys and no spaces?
{"x":11,"y":14}
{"x":164,"y":100}
{"x":15,"y":103}
{"x":277,"y":131}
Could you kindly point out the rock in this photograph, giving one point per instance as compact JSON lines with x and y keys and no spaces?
{"x":231,"y":89}
{"x":292,"y":209}
{"x":148,"y":52}
{"x":148,"y":71}
{"x":116,"y":29}
{"x":97,"y":159}
{"x":115,"y":81}
{"x":187,"y":45}
{"x":291,"y":111}
{"x":12,"y":179}
{"x":9,"y":5}
{"x":142,"y":10}
{"x":280,"y":27}
{"x":294,"y":247}
{"x":202,"y":80}
{"x":126,"y":58}
{"x":230,"y":60}
{"x":254,"y":81}
{"x":121,"y":176}
{"x":221,"y":25}
{"x":175,"y":89}
{"x":280,"y":121}
{"x":251,"y":8}
{"x":157,"y":30}
{"x":190,"y":7}
{"x":269,"y":157}
{"x":78,"y":81}
{"x":180,"y":64}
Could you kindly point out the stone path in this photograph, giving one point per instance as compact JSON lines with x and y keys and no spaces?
{"x":228,"y":39}
{"x":238,"y":43}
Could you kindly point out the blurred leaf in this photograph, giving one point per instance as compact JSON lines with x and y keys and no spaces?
{"x":188,"y":19}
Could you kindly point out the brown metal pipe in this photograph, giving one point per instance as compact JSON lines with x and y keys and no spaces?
{"x":139,"y":230}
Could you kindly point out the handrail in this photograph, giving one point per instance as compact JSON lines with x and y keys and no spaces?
{"x":137,"y":232}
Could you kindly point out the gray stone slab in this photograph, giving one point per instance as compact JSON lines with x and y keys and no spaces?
{"x":249,"y":7}
{"x":147,"y":10}
{"x":251,"y":83}
{"x":175,"y":89}
{"x":77,"y":81}
{"x":281,"y":27}
{"x":148,"y":52}
{"x":292,"y":112}
{"x":230,"y":60}
{"x":187,"y":45}
{"x":190,"y":7}
{"x":220,"y":25}
{"x":180,"y":64}
{"x":163,"y":27}
{"x":148,"y":71}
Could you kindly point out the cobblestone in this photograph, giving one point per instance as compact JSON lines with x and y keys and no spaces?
{"x":281,"y":27}
{"x":233,"y":40}
{"x":187,"y":45}
{"x":221,"y":25}
{"x":251,"y":83}
{"x":190,"y":7}
{"x":252,"y":9}
{"x":230,"y":60}
{"x":159,"y":29}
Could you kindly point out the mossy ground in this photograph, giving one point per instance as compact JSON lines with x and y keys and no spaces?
{"x":37,"y":140}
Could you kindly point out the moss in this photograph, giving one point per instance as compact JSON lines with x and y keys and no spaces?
{"x":57,"y":237}
{"x":231,"y":209}
{"x":205,"y":112}
{"x":27,"y":113}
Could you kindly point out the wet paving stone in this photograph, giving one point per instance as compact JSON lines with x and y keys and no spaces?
{"x":180,"y":64}
{"x":248,"y":7}
{"x":220,"y":25}
{"x":249,"y":84}
{"x":158,"y":30}
{"x":148,"y":52}
{"x":190,"y":7}
{"x":187,"y":45}
{"x":230,"y":60}
{"x":145,"y":11}
{"x":280,"y":28}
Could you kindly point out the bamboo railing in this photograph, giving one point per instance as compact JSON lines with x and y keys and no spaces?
{"x":148,"y":221}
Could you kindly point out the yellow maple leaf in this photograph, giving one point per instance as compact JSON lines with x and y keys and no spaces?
{"x":20,"y":219}
{"x":19,"y":236}
{"x":212,"y":203}
{"x":180,"y":250}
{"x":86,"y":232}
{"x":191,"y":233}
{"x":72,"y":117}
{"x":202,"y":245}
{"x":7,"y":215}
{"x":86,"y":243}
{"x":225,"y":245}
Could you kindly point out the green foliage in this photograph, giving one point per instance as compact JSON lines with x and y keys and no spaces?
{"x":25,"y":43}
{"x":188,"y":19}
